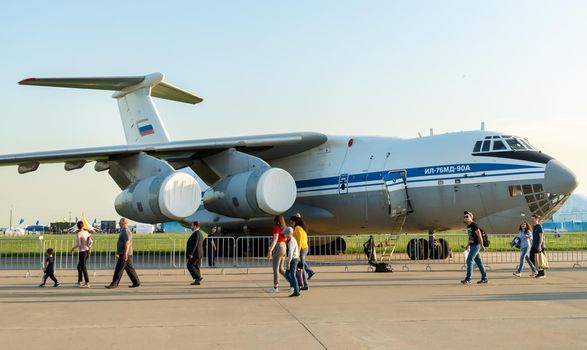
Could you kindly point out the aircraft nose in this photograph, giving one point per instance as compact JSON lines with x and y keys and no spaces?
{"x":558,"y":178}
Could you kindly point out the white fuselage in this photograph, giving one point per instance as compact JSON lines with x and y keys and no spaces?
{"x":363,"y":184}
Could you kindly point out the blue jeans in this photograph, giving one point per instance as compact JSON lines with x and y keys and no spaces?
{"x":474,"y":255}
{"x":524,"y":256}
{"x":307,"y":269}
{"x":290,"y":274}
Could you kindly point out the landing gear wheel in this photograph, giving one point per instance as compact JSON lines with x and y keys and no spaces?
{"x":425,"y":249}
{"x":417,"y":249}
{"x":444,"y":248}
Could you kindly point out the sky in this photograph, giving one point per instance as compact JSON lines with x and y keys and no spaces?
{"x":390,"y":68}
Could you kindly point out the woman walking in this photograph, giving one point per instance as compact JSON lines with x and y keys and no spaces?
{"x":277,"y":251}
{"x":301,"y":236}
{"x":525,"y":236}
{"x":83,"y":245}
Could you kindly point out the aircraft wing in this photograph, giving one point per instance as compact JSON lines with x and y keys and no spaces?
{"x":179,"y":154}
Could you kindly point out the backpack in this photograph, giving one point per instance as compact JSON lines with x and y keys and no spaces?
{"x":486,"y":240}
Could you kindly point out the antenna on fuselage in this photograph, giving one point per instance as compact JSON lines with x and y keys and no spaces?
{"x":482,"y":126}
{"x":431,"y":132}
{"x":419,"y":134}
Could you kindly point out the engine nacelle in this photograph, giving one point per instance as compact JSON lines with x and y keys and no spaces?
{"x":259,"y":192}
{"x":160,"y":198}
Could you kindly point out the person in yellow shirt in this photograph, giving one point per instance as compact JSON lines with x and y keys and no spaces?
{"x":301,"y":236}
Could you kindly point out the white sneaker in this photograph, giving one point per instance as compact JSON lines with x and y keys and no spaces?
{"x":273,"y":290}
{"x":517,"y":274}
{"x":533,"y":274}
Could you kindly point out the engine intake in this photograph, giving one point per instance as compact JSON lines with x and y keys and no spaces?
{"x":259,"y":192}
{"x":160,"y":198}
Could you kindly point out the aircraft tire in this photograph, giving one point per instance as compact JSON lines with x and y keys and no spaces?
{"x":443,"y":248}
{"x":425,"y":249}
{"x":416,"y":249}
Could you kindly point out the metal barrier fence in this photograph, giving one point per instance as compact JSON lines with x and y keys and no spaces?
{"x":251,"y":251}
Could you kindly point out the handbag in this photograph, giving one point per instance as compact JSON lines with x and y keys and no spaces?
{"x":516,"y":242}
{"x":541,"y":261}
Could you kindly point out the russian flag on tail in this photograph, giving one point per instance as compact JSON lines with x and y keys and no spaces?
{"x":145,"y":128}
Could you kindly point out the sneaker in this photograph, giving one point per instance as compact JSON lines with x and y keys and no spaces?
{"x":466,"y":281}
{"x":483,"y":281}
{"x":110,"y":286}
{"x":56,"y":284}
{"x":310,"y":275}
{"x":134,"y":286}
{"x":41,"y":286}
{"x":195,"y":283}
{"x":87,"y":285}
{"x":273,"y":290}
{"x":517,"y":274}
{"x":533,"y":274}
{"x":304,"y":288}
{"x":294,"y":295}
{"x":540,"y":276}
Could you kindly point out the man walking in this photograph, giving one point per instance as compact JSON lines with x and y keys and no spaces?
{"x":475,"y":246}
{"x":124,"y":257}
{"x":537,"y":243}
{"x":194,"y":251}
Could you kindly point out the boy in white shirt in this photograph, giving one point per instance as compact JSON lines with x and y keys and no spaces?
{"x":292,"y":259}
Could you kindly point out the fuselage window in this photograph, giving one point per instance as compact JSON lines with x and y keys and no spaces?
{"x":515,"y":191}
{"x":498,"y":145}
{"x":527,"y":189}
{"x":486,"y":145}
{"x":515,"y":145}
{"x":477,"y":146}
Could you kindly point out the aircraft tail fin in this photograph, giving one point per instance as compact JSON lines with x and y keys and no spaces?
{"x":140,"y":118}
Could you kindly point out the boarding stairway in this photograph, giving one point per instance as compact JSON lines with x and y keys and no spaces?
{"x":392,"y":238}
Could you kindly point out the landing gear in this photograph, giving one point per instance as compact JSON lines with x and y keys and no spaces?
{"x":422,"y":249}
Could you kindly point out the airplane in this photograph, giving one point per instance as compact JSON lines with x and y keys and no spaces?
{"x":340,"y":184}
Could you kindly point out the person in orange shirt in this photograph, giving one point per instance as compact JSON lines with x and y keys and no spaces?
{"x":301,"y":235}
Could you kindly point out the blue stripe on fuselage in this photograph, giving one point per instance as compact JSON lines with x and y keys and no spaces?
{"x":418,"y":172}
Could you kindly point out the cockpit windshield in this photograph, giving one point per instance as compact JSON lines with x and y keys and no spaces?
{"x":502,"y":143}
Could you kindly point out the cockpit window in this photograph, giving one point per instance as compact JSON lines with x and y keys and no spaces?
{"x":515,"y":145}
{"x":486,"y":145}
{"x":527,"y":144}
{"x":498,"y":145}
{"x":503,"y":143}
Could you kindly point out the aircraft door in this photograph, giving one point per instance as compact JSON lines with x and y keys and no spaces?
{"x":397,"y":192}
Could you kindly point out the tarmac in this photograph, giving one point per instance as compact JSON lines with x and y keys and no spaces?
{"x":414,"y":309}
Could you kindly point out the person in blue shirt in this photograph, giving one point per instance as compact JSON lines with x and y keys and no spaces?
{"x":525,"y":236}
{"x":49,"y":269}
{"x":537,"y":242}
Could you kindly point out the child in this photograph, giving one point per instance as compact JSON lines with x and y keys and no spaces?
{"x":49,"y":269}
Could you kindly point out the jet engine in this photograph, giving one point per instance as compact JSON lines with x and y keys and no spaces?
{"x":160,"y":198}
{"x":259,"y":192}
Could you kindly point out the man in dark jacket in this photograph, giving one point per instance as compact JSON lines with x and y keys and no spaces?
{"x":194,"y":252}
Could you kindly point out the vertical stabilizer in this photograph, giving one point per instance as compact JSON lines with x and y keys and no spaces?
{"x":140,"y":118}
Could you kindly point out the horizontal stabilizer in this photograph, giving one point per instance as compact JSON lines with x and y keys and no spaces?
{"x":159,"y":88}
